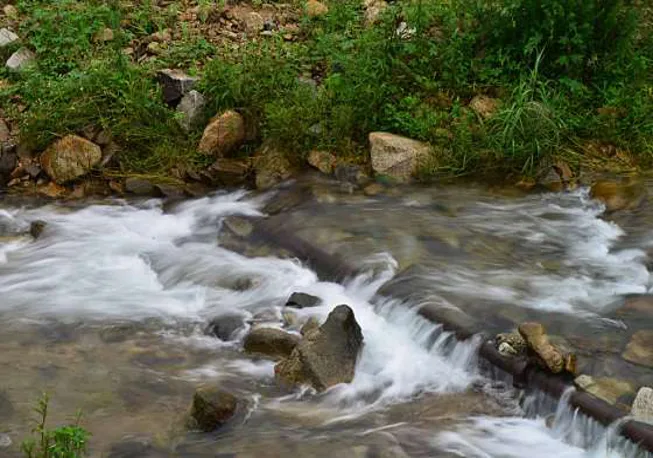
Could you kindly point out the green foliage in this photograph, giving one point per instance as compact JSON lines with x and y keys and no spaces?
{"x":578,"y":37}
{"x":62,"y":32}
{"x":62,"y":442}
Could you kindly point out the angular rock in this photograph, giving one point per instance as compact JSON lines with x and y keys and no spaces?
{"x":395,"y":156}
{"x":535,"y":336}
{"x":140,"y":187}
{"x":271,"y":168}
{"x":175,"y":84}
{"x":223,"y":134}
{"x":302,"y":300}
{"x":326,"y":356}
{"x":642,"y":408}
{"x":324,"y":161}
{"x":618,"y":196}
{"x":608,"y":389}
{"x":7,"y":37}
{"x":20,"y":59}
{"x":484,"y":106}
{"x":640,"y":348}
{"x":212,"y":408}
{"x":270,"y":342}
{"x":191,"y":109}
{"x":315,"y":8}
{"x":224,"y":327}
{"x":69,"y":158}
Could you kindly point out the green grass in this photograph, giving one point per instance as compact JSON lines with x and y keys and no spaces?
{"x":62,"y":442}
{"x":566,"y":73}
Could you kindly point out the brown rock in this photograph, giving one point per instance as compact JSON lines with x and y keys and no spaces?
{"x":10,"y":11}
{"x":395,"y":156}
{"x":373,"y":10}
{"x":223,"y":134}
{"x":326,"y":356}
{"x":618,"y":195}
{"x":140,"y":187}
{"x":373,"y":189}
{"x":270,"y":342}
{"x":315,"y":8}
{"x":271,"y":168}
{"x":608,"y":389}
{"x":324,"y":161}
{"x":69,"y":158}
{"x":211,"y":409}
{"x":227,"y":172}
{"x":484,"y":106}
{"x":640,"y":304}
{"x":640,"y":349}
{"x":535,"y":336}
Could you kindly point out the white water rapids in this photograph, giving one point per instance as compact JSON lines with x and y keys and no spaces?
{"x":130,"y":262}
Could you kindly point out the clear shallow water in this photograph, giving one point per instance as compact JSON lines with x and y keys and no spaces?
{"x":161,"y":275}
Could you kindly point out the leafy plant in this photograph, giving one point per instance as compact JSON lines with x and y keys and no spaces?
{"x":62,"y":442}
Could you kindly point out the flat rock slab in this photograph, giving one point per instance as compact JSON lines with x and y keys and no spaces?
{"x":640,"y":349}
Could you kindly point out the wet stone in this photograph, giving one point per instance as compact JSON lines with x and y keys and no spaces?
{"x":36,"y":228}
{"x":302,"y":300}
{"x":212,"y":408}
{"x":225,"y":327}
{"x":270,"y":342}
{"x":135,"y":448}
{"x":118,"y":332}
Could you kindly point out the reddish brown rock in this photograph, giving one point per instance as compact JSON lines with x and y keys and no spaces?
{"x":223,"y":134}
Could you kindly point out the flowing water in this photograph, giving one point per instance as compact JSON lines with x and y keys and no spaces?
{"x":107,"y":310}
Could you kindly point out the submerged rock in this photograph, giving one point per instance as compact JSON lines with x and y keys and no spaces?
{"x":270,"y":342}
{"x":224,"y":327}
{"x":69,"y":158}
{"x":535,"y":336}
{"x":395,"y":156}
{"x":640,"y":348}
{"x":642,"y":408}
{"x":326,"y":356}
{"x":211,"y":409}
{"x":618,"y":196}
{"x":224,"y":133}
{"x":302,"y":300}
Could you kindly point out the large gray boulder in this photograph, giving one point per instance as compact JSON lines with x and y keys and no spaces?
{"x":395,"y":156}
{"x":327,"y":355}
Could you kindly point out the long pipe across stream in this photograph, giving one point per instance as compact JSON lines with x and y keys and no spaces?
{"x":333,"y":268}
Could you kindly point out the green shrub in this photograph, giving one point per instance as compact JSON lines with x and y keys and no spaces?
{"x":62,"y":442}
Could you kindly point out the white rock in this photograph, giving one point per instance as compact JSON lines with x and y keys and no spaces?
{"x":7,"y":37}
{"x":642,"y":408}
{"x":20,"y":59}
{"x":396,"y":156}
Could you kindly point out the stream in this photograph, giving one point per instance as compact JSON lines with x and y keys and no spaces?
{"x":107,"y":310}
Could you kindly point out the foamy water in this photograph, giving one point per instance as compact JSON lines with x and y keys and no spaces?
{"x":127,"y":262}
